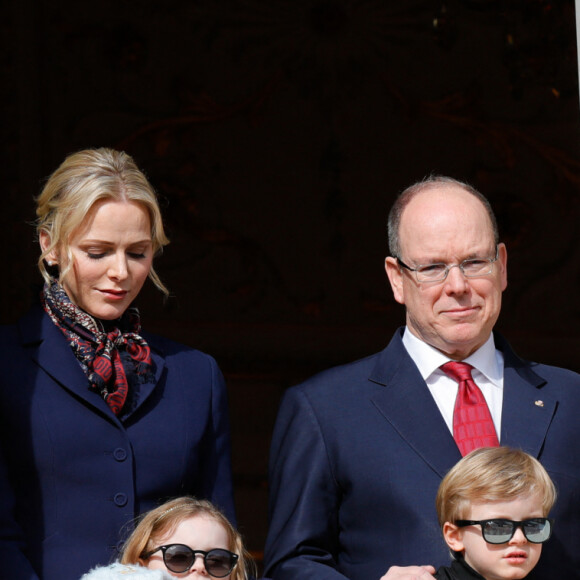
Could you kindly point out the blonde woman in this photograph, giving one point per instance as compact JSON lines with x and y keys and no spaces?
{"x":98,"y":419}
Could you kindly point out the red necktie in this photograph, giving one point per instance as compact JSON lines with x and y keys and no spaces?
{"x":472,"y":423}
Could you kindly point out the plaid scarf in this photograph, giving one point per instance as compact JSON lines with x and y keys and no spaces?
{"x":111,"y":353}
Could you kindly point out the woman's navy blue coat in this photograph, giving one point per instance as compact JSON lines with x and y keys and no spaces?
{"x":72,"y":476}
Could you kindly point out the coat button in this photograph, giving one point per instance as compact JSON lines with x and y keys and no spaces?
{"x":120,"y":454}
{"x":120,"y":499}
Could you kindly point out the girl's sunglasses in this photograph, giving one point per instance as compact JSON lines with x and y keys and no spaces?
{"x":180,"y":558}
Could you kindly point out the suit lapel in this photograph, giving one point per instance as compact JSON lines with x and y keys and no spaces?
{"x":407,"y":404}
{"x":527,"y":410}
{"x":409,"y":407}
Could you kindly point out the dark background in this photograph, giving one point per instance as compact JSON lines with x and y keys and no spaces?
{"x":277,"y":133}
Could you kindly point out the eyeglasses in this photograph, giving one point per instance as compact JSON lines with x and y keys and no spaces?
{"x":180,"y":558}
{"x":471,"y":268}
{"x":501,"y":531}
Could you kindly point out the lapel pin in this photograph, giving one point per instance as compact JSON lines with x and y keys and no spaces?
{"x":539,"y":403}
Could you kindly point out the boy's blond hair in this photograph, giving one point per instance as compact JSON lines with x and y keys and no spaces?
{"x":492,"y":474}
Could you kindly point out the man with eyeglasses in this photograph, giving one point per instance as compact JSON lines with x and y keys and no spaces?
{"x":359,"y":451}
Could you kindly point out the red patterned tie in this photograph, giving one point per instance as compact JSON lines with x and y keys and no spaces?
{"x":472,"y":423}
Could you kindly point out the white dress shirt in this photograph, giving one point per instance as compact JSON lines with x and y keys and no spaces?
{"x":487,"y":363}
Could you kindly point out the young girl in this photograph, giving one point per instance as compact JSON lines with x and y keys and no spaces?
{"x":185,"y":537}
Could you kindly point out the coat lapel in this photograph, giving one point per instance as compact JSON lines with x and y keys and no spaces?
{"x":158,"y":357}
{"x":50,"y":351}
{"x":409,"y":407}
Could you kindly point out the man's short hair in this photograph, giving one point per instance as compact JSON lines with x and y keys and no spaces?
{"x":430,"y":182}
{"x":492,"y":474}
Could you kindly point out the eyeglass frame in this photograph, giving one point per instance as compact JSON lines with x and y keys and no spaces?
{"x":235,"y":558}
{"x":515,"y":526}
{"x":449,"y":266}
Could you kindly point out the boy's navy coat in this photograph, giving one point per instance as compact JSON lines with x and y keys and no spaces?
{"x":359,"y":451}
{"x":69,"y":464}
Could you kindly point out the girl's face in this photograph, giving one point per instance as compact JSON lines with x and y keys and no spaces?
{"x":199,"y":532}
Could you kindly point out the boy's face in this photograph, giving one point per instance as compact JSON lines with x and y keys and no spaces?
{"x":512,"y":560}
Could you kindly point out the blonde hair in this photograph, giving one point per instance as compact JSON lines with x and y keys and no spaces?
{"x":82,"y":180}
{"x":161,"y":522}
{"x":492,"y":474}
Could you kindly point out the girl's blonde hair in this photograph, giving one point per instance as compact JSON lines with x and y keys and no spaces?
{"x":492,"y":474}
{"x":82,"y":180}
{"x":163,"y":520}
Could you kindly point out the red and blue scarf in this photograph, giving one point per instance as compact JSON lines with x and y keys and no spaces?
{"x":111,"y":353}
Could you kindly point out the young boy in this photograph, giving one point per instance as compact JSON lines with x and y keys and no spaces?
{"x":492,"y":508}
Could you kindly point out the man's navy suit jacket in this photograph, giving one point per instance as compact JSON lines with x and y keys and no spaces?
{"x":359,"y":451}
{"x":73,"y":477}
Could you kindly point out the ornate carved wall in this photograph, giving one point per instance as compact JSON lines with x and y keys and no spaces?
{"x":277,"y":134}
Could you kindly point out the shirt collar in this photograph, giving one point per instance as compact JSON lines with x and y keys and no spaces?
{"x":428,"y":359}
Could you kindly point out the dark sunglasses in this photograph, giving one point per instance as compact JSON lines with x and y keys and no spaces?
{"x":500,"y":531}
{"x":180,"y":558}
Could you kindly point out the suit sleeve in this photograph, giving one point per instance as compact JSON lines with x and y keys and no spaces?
{"x":304,"y":498}
{"x":216,"y":480}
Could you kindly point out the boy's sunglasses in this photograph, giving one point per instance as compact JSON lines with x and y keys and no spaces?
{"x":500,"y":531}
{"x":180,"y":558}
